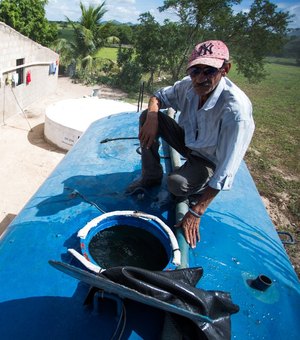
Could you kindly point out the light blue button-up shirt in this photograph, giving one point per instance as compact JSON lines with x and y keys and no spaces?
{"x":220,"y":131}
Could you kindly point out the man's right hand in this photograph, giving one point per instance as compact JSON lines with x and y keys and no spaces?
{"x":190,"y":225}
{"x":148,"y":131}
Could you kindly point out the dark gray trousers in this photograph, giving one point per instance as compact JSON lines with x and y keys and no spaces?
{"x":188,"y":180}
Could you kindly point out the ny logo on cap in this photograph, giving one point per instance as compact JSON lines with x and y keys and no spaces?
{"x":203,"y":49}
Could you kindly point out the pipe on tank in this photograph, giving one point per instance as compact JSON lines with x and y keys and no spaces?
{"x":181,"y":208}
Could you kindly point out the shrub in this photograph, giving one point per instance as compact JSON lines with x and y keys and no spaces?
{"x":129,"y":77}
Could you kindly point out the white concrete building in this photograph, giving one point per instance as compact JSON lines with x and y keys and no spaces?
{"x":28,"y":72}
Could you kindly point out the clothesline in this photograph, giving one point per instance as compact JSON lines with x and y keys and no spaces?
{"x":26,"y":65}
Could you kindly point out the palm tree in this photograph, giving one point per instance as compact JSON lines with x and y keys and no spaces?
{"x":65,"y":49}
{"x":91,"y":17}
{"x":88,"y":30}
{"x":87,"y":36}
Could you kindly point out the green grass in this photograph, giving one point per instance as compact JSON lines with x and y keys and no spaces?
{"x":107,"y":53}
{"x":276,"y":106}
{"x":275,"y":149}
{"x":282,"y":61}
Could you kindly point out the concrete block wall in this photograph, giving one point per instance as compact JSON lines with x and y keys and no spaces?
{"x":16,"y":46}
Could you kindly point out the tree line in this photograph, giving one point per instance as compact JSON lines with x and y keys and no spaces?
{"x":149,"y":48}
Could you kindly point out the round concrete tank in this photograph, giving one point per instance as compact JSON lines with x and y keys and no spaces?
{"x":65,"y":121}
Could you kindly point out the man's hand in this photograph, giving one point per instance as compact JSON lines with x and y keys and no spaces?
{"x":190,"y":226}
{"x":191,"y":223}
{"x":148,"y":131}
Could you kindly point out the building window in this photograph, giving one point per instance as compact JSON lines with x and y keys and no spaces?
{"x":20,"y":71}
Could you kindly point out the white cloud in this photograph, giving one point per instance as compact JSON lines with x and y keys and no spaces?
{"x":120,"y":10}
{"x":294,"y":10}
{"x":290,"y":5}
{"x":130,"y":10}
{"x":59,"y":9}
{"x":123,"y":11}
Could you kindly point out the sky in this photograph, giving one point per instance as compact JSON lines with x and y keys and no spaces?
{"x":129,"y":10}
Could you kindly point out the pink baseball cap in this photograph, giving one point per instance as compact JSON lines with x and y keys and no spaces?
{"x":211,"y":53}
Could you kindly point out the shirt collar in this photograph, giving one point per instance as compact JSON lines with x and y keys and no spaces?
{"x":212,"y":100}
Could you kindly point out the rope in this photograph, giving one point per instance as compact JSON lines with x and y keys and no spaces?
{"x":75,"y":193}
{"x":106,"y":140}
{"x":123,"y":318}
{"x":24,"y":114}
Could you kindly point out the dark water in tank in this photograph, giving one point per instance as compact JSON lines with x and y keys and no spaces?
{"x":124,"y":245}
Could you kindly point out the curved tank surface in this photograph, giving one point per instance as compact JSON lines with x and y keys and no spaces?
{"x":240,"y":251}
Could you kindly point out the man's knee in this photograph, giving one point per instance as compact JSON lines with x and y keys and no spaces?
{"x":180,"y":185}
{"x":177,"y":185}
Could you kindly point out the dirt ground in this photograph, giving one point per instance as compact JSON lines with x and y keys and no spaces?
{"x":27,"y":159}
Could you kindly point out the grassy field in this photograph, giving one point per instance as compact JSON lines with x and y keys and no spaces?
{"x":274,"y":154}
{"x":273,"y":158}
{"x":108,"y":53}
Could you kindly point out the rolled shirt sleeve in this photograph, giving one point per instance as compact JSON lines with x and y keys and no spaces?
{"x":175,"y":96}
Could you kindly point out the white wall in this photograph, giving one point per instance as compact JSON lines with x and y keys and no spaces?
{"x":13,"y":46}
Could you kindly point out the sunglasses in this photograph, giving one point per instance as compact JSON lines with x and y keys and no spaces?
{"x":206,"y":71}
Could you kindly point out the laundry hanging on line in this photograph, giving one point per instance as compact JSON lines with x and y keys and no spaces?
{"x":52,"y":68}
{"x":15,"y":79}
{"x":28,"y":77}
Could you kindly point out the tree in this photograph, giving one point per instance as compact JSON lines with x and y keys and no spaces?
{"x":65,"y":49}
{"x":109,"y":29}
{"x":125,"y":33}
{"x":148,"y":45}
{"x":174,"y":48}
{"x":88,"y":40}
{"x":292,"y":48}
{"x":91,"y":20}
{"x":130,"y":73}
{"x":88,"y":30}
{"x":250,"y":36}
{"x":125,"y":55}
{"x":255,"y":35}
{"x":129,"y":77}
{"x":28,"y":18}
